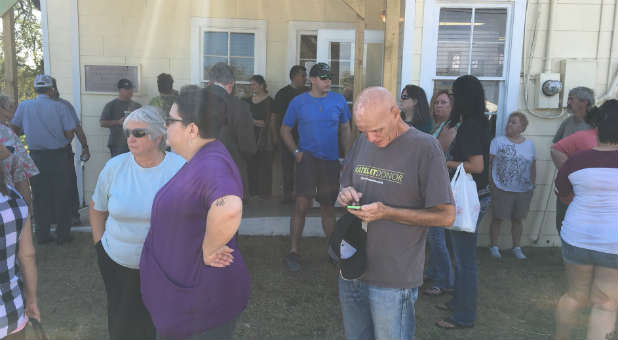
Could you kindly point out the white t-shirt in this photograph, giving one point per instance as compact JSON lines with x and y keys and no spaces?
{"x":591,"y":221}
{"x":126,"y":191}
{"x":510,"y":169}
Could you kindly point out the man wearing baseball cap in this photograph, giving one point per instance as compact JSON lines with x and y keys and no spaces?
{"x":49,"y":127}
{"x":320,"y":116}
{"x":113,"y":115}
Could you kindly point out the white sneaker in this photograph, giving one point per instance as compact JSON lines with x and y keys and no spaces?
{"x":519,"y":254}
{"x":495,"y":252}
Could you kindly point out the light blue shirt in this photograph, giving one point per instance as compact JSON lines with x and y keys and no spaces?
{"x":44,"y":122}
{"x":126,"y":191}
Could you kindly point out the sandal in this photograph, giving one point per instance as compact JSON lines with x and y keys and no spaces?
{"x":434,"y":291}
{"x":449,"y":323}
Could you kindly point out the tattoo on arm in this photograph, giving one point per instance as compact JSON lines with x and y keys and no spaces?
{"x":220,"y":202}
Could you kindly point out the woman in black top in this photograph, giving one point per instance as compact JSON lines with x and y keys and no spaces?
{"x":470,"y":147}
{"x":260,"y":166}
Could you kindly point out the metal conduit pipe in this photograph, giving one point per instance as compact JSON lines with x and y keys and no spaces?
{"x":613,"y":46}
{"x":612,"y":85}
{"x":548,"y":35}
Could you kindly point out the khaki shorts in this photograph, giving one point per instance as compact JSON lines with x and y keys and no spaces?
{"x":508,"y":205}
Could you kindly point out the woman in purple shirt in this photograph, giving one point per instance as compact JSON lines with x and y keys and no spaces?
{"x":194,"y":281}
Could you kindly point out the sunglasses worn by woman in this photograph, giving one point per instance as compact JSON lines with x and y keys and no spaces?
{"x":137,"y":133}
{"x":126,"y":187}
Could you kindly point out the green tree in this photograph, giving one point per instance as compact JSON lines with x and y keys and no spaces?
{"x":28,"y":47}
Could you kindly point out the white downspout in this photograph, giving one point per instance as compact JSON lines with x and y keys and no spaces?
{"x":612,"y":85}
{"x":408,"y":43}
{"x":613,"y":46}
{"x":548,"y":36}
{"x":76,"y":92}
{"x":45,"y":37}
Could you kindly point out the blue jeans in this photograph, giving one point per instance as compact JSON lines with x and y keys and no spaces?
{"x":439,"y":266}
{"x":371,"y":312}
{"x":463,"y":303}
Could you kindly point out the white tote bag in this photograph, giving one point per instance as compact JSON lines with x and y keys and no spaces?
{"x":467,"y":205}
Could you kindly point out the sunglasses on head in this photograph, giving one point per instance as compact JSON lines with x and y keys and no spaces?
{"x":137,"y":133}
{"x":326,"y":76}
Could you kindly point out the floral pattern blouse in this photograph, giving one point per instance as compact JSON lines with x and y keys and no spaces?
{"x":19,"y":166}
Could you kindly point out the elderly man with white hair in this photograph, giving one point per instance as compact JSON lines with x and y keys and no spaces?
{"x":397,"y":175}
{"x":120,"y":217}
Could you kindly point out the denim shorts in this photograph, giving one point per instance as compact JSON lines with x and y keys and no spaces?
{"x":582,"y":256}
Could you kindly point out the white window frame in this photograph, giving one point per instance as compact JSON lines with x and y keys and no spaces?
{"x":509,"y":94}
{"x":298,"y":28}
{"x":201,"y":25}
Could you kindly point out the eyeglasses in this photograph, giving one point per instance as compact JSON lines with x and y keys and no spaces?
{"x":137,"y":133}
{"x":404,"y":96}
{"x":169,"y":121}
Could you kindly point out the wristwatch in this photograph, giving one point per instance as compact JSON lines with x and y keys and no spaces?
{"x":296,"y":151}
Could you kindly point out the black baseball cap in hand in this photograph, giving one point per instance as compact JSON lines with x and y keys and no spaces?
{"x":348,"y":247}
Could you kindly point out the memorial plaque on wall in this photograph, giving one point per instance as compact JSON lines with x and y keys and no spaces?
{"x":104,"y":78}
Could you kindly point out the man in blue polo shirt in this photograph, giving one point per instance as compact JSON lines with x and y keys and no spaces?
{"x":49,"y":126}
{"x":320,"y":116}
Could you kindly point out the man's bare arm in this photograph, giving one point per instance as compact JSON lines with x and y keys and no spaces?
{"x":288,"y":139}
{"x":81,"y":136}
{"x":558,"y":157}
{"x":110,"y":123}
{"x":442,"y":215}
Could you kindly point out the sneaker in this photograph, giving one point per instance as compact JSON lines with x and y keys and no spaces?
{"x":292,"y":261}
{"x":495,"y":252}
{"x":519,"y":254}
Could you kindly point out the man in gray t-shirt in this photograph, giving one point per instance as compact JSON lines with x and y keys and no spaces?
{"x":398,"y":175}
{"x":114,"y":114}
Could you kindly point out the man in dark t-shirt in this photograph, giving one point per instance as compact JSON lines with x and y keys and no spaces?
{"x":298,"y":78}
{"x":397,"y":174}
{"x":113,"y":115}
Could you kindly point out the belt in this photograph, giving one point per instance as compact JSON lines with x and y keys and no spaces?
{"x":62,"y":149}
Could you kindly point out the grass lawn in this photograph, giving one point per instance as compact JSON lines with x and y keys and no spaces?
{"x":516,"y":299}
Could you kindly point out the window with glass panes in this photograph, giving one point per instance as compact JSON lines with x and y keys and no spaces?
{"x":234,"y":48}
{"x":339,"y":59}
{"x":472,"y":41}
{"x":308,"y":50}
